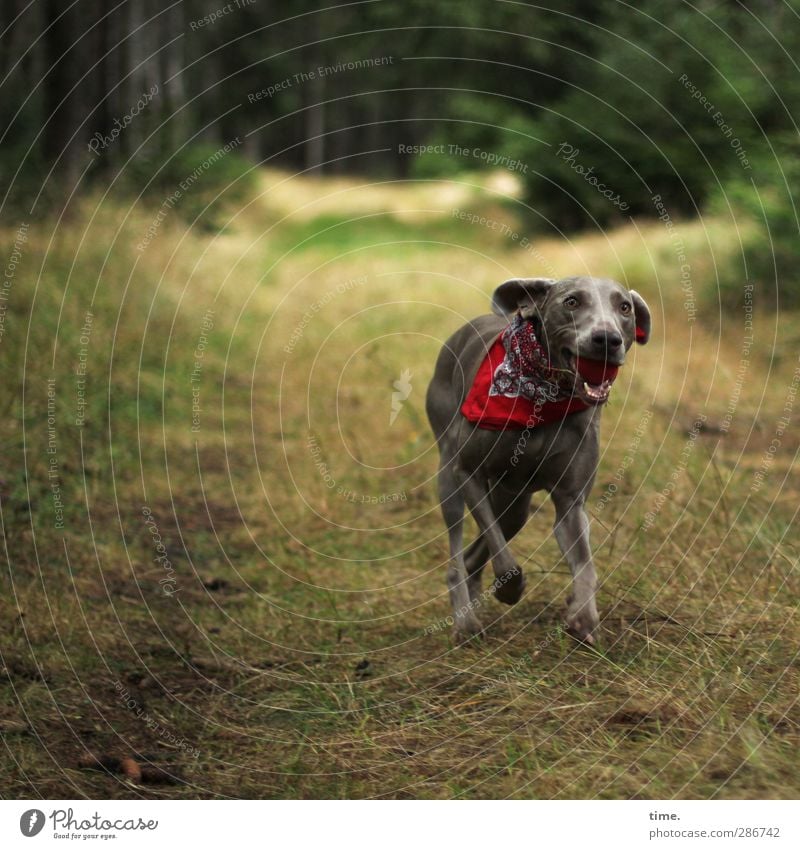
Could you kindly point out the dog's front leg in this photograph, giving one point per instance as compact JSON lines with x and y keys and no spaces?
{"x":509,"y":582}
{"x":572,"y":532}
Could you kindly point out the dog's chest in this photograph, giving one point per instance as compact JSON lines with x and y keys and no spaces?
{"x":535,"y":459}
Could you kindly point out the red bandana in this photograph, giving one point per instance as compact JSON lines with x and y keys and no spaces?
{"x":515,"y":387}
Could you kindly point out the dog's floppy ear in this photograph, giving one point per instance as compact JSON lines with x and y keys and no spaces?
{"x":520,"y":292}
{"x":641,"y":313}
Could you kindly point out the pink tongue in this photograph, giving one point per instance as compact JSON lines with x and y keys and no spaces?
{"x":595,"y":371}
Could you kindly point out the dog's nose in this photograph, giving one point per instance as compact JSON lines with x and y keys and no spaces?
{"x":606,"y":340}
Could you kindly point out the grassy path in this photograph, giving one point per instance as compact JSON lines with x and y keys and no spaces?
{"x":233,"y":566}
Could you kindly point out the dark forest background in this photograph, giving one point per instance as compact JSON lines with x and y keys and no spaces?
{"x":694,"y":102}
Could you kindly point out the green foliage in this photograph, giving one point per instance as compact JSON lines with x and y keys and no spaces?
{"x":677,"y":100}
{"x":762,"y":207}
{"x":207,"y":177}
{"x":661,"y":99}
{"x":20,"y":178}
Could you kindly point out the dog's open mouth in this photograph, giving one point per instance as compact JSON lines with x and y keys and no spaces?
{"x":594,"y":378}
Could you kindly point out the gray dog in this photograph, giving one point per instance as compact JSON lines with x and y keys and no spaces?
{"x":495,"y":472}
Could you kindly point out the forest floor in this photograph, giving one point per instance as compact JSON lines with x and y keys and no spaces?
{"x":227,"y":560}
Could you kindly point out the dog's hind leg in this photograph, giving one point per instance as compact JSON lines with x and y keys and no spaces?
{"x":475,"y":558}
{"x":465,"y":622}
{"x":512,"y":510}
{"x":509,"y":581}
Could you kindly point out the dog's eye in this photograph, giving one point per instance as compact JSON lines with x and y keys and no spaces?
{"x":571,"y":302}
{"x":625,"y":307}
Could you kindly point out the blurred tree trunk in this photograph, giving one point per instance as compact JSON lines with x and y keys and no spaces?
{"x":19,"y":36}
{"x":63,"y":107}
{"x":172,"y":60}
{"x":314,"y":97}
{"x":142,"y":66}
{"x":315,"y":125}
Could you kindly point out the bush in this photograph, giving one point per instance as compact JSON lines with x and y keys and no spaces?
{"x":761,"y":206}
{"x":202,"y":178}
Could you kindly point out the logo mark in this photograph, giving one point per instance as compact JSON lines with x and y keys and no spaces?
{"x":31,"y":822}
{"x":401,"y":393}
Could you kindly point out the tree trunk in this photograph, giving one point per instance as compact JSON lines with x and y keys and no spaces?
{"x":64,"y":109}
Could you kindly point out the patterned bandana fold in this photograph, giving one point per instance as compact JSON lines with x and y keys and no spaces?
{"x":516,"y":387}
{"x":525,"y":370}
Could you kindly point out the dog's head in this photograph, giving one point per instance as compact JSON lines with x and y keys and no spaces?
{"x":586,"y":324}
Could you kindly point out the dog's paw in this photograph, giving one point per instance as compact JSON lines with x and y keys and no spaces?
{"x":583,"y":622}
{"x":508,"y":588}
{"x":467,"y":628}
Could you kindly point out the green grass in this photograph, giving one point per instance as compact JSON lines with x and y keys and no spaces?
{"x":285,"y":586}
